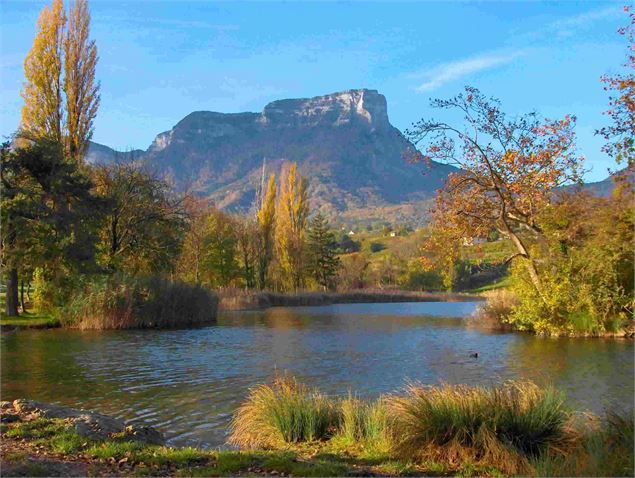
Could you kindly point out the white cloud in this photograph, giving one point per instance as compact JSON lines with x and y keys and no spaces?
{"x":454,"y":70}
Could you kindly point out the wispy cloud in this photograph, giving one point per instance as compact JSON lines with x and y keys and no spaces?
{"x":454,"y":70}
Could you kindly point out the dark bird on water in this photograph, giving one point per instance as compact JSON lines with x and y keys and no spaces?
{"x":474,"y":355}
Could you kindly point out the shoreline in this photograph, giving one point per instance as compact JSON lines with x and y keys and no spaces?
{"x":248,"y":300}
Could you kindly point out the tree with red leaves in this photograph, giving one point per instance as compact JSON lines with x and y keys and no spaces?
{"x":508,"y":169}
{"x":620,"y":136}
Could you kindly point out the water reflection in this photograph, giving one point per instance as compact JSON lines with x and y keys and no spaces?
{"x":188,"y":382}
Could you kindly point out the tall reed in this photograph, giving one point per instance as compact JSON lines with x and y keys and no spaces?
{"x":121,"y":302}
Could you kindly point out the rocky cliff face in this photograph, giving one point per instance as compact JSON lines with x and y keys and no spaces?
{"x":343,"y":142}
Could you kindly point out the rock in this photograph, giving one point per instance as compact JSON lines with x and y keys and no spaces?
{"x":144,"y":434}
{"x":9,"y":418}
{"x":97,"y":426}
{"x":88,"y":424}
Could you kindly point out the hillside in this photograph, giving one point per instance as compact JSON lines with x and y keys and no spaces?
{"x":356,"y":161}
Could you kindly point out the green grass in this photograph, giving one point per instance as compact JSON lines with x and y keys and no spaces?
{"x":28,"y":319}
{"x":501,"y":284}
{"x":513,"y":429}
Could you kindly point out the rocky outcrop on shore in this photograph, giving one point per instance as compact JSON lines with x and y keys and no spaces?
{"x":87,"y":423}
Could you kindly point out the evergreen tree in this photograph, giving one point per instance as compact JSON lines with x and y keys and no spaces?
{"x":323,"y":262}
{"x":49,"y":215}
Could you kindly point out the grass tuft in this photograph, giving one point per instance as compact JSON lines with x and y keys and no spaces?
{"x":284,"y":412}
{"x":501,"y":426}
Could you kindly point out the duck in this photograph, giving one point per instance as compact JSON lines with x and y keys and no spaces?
{"x":474,"y":355}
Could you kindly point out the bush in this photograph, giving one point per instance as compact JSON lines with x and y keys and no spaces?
{"x":120,"y":302}
{"x":281,"y":413}
{"x":377,"y":247}
{"x":495,"y":312}
{"x":497,"y":427}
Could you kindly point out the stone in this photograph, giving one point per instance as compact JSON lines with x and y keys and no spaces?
{"x":144,"y":434}
{"x":88,"y":424}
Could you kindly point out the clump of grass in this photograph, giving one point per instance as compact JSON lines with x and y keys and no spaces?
{"x":281,"y":413}
{"x":120,"y":302}
{"x":364,"y":421}
{"x":500,"y":426}
{"x":607,"y":450}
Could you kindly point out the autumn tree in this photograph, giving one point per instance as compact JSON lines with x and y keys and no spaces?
{"x":291,"y":224}
{"x":60,"y":93}
{"x":82,"y":92}
{"x":189,"y":263}
{"x":144,"y":220}
{"x":323,"y":262}
{"x":42,"y":112}
{"x":508,"y":169}
{"x":620,"y":136}
{"x":266,"y":218}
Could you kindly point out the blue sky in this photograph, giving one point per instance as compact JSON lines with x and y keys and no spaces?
{"x":160,"y":61}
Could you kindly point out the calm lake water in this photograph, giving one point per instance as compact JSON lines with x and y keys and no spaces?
{"x":188,"y":382}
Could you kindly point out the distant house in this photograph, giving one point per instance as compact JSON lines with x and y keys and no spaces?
{"x":351,"y":233}
{"x":393,"y":234}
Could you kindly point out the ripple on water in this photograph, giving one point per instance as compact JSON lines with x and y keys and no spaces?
{"x":188,"y":382}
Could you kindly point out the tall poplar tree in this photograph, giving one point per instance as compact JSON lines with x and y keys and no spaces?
{"x":291,"y":224}
{"x":42,"y":112}
{"x":61,"y":96}
{"x":266,"y":223}
{"x":82,"y":92}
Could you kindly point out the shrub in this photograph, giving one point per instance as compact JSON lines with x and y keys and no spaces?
{"x":459,"y":424}
{"x":377,"y":247}
{"x":120,"y":302}
{"x":495,"y":312}
{"x":281,"y":413}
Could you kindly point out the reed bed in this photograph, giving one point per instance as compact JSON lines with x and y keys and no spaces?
{"x":238,"y":299}
{"x":119,"y":302}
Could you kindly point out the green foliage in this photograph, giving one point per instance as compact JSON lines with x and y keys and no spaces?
{"x":48,"y":213}
{"x":586,"y":268}
{"x":219,"y":265}
{"x":376,"y":247}
{"x":122,"y":302}
{"x":323,"y":264}
{"x":144,"y":222}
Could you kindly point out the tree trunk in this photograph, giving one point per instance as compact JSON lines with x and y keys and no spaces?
{"x":11,"y":301}
{"x":529,"y":263}
{"x":22,"y":296}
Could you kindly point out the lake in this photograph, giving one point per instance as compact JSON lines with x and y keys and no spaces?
{"x":187,"y":383}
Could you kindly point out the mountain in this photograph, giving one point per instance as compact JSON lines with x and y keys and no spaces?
{"x":355,"y":160}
